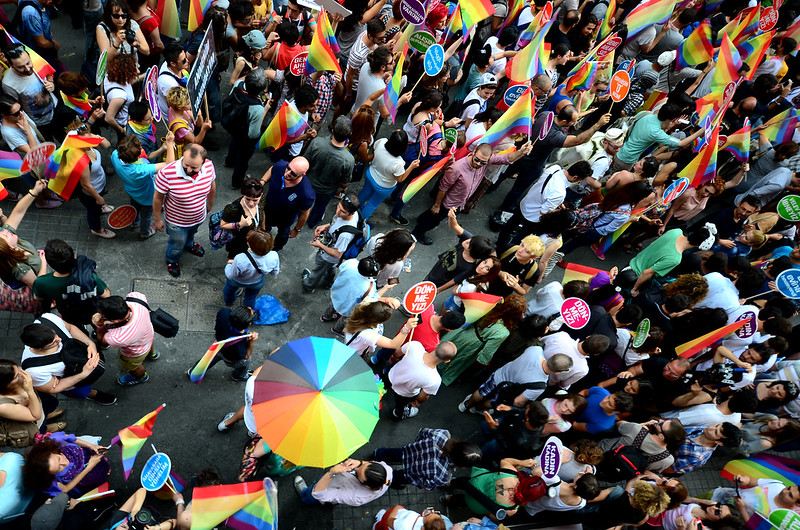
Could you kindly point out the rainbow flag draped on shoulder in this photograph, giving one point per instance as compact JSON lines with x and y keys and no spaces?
{"x":131,"y":439}
{"x":391,"y":95}
{"x":321,"y":53}
{"x":287,"y":124}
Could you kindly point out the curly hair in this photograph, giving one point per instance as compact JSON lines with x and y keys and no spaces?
{"x":649,"y":498}
{"x":509,"y":312}
{"x":587,"y":452}
{"x":393,"y":246}
{"x":693,"y":285}
{"x":122,"y":69}
{"x":367,"y":315}
{"x":36,"y":473}
{"x":178,"y":97}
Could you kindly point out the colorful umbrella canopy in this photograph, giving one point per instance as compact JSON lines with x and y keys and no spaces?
{"x":315,"y":402}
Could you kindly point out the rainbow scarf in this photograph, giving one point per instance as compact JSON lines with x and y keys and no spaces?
{"x":477,"y":305}
{"x":687,"y":349}
{"x":80,"y":104}
{"x":738,"y":143}
{"x":419,"y":182}
{"x":752,"y":51}
{"x":321,"y":54}
{"x":780,"y":128}
{"x":392,"y":93}
{"x":697,"y":47}
{"x":287,"y":124}
{"x":214,"y":504}
{"x":516,"y":120}
{"x":148,"y":132}
{"x":646,"y":14}
{"x":131,"y":439}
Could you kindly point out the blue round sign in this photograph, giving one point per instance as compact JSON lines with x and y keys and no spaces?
{"x":434,"y":60}
{"x":513,"y":94}
{"x":156,"y":472}
{"x":788,"y":283}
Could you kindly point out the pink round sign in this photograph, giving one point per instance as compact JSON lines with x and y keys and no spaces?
{"x":575,"y":313}
{"x":546,"y":125}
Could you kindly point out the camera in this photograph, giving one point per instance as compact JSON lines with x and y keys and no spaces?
{"x":130,"y":36}
{"x":143,"y":518}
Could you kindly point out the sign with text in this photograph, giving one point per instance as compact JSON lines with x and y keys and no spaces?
{"x":749,"y":329}
{"x":513,"y":93}
{"x":156,"y":472}
{"x":451,"y":135}
{"x":768,"y":19}
{"x":547,"y":12}
{"x":150,"y":89}
{"x":620,"y":84}
{"x":788,"y":208}
{"x":611,"y":44}
{"x":547,"y":123}
{"x":675,"y":190}
{"x":575,"y":313}
{"x":788,"y":283}
{"x":122,"y":217}
{"x":413,"y":11}
{"x":102,"y":66}
{"x":419,"y":297}
{"x":421,"y":41}
{"x":727,"y":95}
{"x":202,"y":69}
{"x":434,"y":60}
{"x":298,"y":64}
{"x":37,"y":156}
{"x":785,"y":519}
{"x":550,"y":460}
{"x":642,"y":332}
{"x":722,"y":140}
{"x":331,"y":6}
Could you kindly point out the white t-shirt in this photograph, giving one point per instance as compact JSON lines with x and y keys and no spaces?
{"x":470,"y":108}
{"x":721,"y":293}
{"x":343,"y":239}
{"x":561,"y":342}
{"x":499,"y":64}
{"x":625,"y":349}
{"x":527,"y":368}
{"x":704,"y":415}
{"x":385,"y":167}
{"x":41,"y":375}
{"x":551,"y":504}
{"x":166,"y":80}
{"x":670,"y":516}
{"x":117,"y":91}
{"x":249,"y":417}
{"x":410,"y":374}
{"x":546,"y":195}
{"x":546,"y":301}
{"x":366,"y":341}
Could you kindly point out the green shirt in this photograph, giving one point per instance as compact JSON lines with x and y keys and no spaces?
{"x":32,"y":260}
{"x":52,"y":287}
{"x":661,"y":255}
{"x":646,"y":131}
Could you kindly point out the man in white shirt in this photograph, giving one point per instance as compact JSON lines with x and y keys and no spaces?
{"x":579,"y":352}
{"x":173,"y":72}
{"x":415,"y":377}
{"x":331,"y":240}
{"x":477,"y":100}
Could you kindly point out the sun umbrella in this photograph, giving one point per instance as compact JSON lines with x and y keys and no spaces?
{"x":315,"y":402}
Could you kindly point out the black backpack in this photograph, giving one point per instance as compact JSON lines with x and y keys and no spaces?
{"x":457,"y":108}
{"x":234,"y":111}
{"x":623,"y":463}
{"x":78,"y":302}
{"x":361,"y":233}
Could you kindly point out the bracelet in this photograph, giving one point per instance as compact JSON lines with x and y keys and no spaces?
{"x":405,"y":330}
{"x":179,"y":501}
{"x":236,"y":226}
{"x":32,"y":195}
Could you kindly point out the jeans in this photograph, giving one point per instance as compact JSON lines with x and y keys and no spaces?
{"x":306,"y":496}
{"x":318,"y":211}
{"x":322,"y":273}
{"x":144,"y":216}
{"x":583,"y":239}
{"x":180,"y":237}
{"x":214,"y":97}
{"x":400,"y":404}
{"x":240,"y":151}
{"x":93,"y":210}
{"x":240,"y":366}
{"x":428,"y":221}
{"x":372,"y":195}
{"x":393,"y":454}
{"x":250,"y":291}
{"x":341,"y":320}
{"x":282,"y":237}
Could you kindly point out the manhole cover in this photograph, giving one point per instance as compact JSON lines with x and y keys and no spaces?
{"x":194,"y":304}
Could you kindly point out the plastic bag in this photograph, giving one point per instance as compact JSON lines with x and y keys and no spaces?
{"x":270,"y":311}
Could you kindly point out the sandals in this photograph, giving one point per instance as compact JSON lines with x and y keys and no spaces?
{"x":174,"y":269}
{"x":195,"y":249}
{"x":55,"y":414}
{"x":247,"y":468}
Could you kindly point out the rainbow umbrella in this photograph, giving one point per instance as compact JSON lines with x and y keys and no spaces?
{"x":315,"y":402}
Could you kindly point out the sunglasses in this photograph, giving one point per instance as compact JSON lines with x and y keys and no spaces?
{"x":15,"y":114}
{"x":479,"y":162}
{"x":14,"y":52}
{"x":122,"y":16}
{"x":292,"y":174}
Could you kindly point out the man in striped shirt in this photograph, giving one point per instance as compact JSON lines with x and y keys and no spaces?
{"x":185,"y":189}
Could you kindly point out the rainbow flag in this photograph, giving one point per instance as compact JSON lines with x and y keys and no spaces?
{"x":687,"y":349}
{"x":197,"y":9}
{"x":752,"y":51}
{"x":780,"y":128}
{"x":199,"y":371}
{"x":474,"y":11}
{"x":703,"y":167}
{"x":403,"y":39}
{"x":697,"y":47}
{"x":601,"y":247}
{"x":100,"y":491}
{"x":146,"y":131}
{"x":604,"y":27}
{"x":748,"y":25}
{"x":655,"y":97}
{"x":392,"y":93}
{"x":582,"y":79}
{"x":513,"y":11}
{"x":575,"y":271}
{"x":131,"y":439}
{"x":793,"y":30}
{"x":287,"y":124}
{"x":646,"y":14}
{"x":728,"y":64}
{"x":738,"y":143}
{"x":167,"y":10}
{"x":80,"y":105}
{"x":67,"y":164}
{"x":526,"y":35}
{"x":419,"y":182}
{"x":532,"y":59}
{"x":214,"y":504}
{"x":321,"y":53}
{"x":764,"y":465}
{"x":729,"y":28}
{"x":516,"y":120}
{"x":10,"y":163}
{"x":476,"y":305}
{"x":261,"y":514}
{"x":42,"y":67}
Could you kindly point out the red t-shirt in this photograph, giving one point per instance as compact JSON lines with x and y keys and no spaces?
{"x":148,"y":23}
{"x":423,"y":333}
{"x":286,"y":54}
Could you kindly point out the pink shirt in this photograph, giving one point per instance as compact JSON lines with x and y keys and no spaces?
{"x":185,"y":202}
{"x":461,"y":180}
{"x":136,"y":337}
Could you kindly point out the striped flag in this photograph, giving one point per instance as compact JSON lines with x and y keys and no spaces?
{"x":780,"y":128}
{"x":391,"y":95}
{"x":646,"y":14}
{"x":696,"y":48}
{"x":738,"y":143}
{"x":287,"y":124}
{"x":419,"y":182}
{"x":131,"y":439}
{"x":687,"y":349}
{"x":752,"y":52}
{"x":167,"y":11}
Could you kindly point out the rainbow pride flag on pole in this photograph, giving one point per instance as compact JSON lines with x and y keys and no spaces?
{"x":575,"y":271}
{"x":764,"y":465}
{"x":131,"y":439}
{"x":533,"y":57}
{"x":513,"y":10}
{"x":582,"y":79}
{"x":703,"y":167}
{"x":646,"y":14}
{"x":687,"y":349}
{"x":655,"y":97}
{"x":780,"y":128}
{"x":738,"y":143}
{"x":605,"y":27}
{"x":752,"y":52}
{"x":199,"y":371}
{"x":100,"y":491}
{"x":287,"y":124}
{"x":419,"y":182}
{"x":167,"y":10}
{"x":474,"y":11}
{"x":728,"y":64}
{"x":43,"y":68}
{"x":748,"y":25}
{"x":516,"y":120}
{"x":321,"y":53}
{"x":214,"y":504}
{"x":392,"y":93}
{"x":476,"y":305}
{"x":67,"y":164}
{"x":697,"y":47}
{"x":526,"y":35}
{"x":197,"y":10}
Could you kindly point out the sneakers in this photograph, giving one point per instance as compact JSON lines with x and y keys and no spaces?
{"x":196,"y":249}
{"x":373,"y":360}
{"x":245,"y":378}
{"x":425,"y":240}
{"x":154,"y":355}
{"x":462,"y":407}
{"x":105,"y":233}
{"x":299,"y":484}
{"x":408,"y":412}
{"x":103,"y":398}
{"x":399,"y":220}
{"x":337,"y":332}
{"x":335,"y":316}
{"x":174,"y":269}
{"x":221,"y":427}
{"x":305,"y":274}
{"x":150,"y":233}
{"x":107,"y":208}
{"x":130,"y":380}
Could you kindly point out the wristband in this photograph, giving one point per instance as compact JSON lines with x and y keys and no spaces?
{"x":32,"y":195}
{"x":179,"y":501}
{"x":405,"y":330}
{"x":236,"y":226}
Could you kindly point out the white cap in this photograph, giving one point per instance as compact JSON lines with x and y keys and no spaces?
{"x":487,"y":79}
{"x":667,"y":58}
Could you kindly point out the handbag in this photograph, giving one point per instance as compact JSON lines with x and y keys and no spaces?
{"x":218,"y":236}
{"x":16,"y":433}
{"x":164,"y":324}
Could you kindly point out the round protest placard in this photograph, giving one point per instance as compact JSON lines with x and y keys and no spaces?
{"x":783,"y":518}
{"x":37,"y":156}
{"x":413,"y":11}
{"x":642,"y":331}
{"x":102,"y":66}
{"x":419,"y":297}
{"x":298,"y":64}
{"x":727,"y":95}
{"x":513,"y":93}
{"x":608,"y":46}
{"x":421,"y":41}
{"x":156,"y":472}
{"x":150,"y":91}
{"x":675,"y":190}
{"x":788,"y":208}
{"x":788,"y":283}
{"x":547,"y":12}
{"x":451,"y":135}
{"x":122,"y":217}
{"x":546,"y":124}
{"x":575,"y":313}
{"x":550,"y":460}
{"x":434,"y":60}
{"x":620,"y":84}
{"x":722,"y":139}
{"x":749,"y":329}
{"x":768,"y":19}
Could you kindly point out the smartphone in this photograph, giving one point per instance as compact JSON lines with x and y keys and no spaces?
{"x":393,"y":281}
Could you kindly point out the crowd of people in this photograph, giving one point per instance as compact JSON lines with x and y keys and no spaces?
{"x":631,"y":409}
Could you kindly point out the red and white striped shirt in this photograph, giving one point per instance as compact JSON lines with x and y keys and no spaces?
{"x":135,"y":338}
{"x":185,"y":202}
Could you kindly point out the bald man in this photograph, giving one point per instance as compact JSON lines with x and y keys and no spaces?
{"x":289,"y":198}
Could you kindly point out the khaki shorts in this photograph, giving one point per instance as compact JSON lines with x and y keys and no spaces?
{"x":130,"y":364}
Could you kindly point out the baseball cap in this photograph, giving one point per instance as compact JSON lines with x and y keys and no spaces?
{"x":487,"y":79}
{"x":614,"y":135}
{"x":667,"y":58}
{"x":255,"y":40}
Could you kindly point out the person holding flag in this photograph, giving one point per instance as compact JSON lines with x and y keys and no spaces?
{"x":759,"y":495}
{"x":36,"y":95}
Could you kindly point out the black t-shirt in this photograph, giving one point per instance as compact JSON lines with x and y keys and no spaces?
{"x":664,"y":390}
{"x":527,"y":274}
{"x":533,"y":163}
{"x":619,"y":511}
{"x":223,"y":330}
{"x":556,"y":36}
{"x":452,"y":265}
{"x":601,"y":323}
{"x":515,"y":438}
{"x":727,"y":227}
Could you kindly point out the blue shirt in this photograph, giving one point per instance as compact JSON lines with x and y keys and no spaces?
{"x":35,"y":22}
{"x":595,"y":419}
{"x":282,"y":203}
{"x":784,"y":251}
{"x":137,"y":178}
{"x":350,"y":287}
{"x":223,"y":330}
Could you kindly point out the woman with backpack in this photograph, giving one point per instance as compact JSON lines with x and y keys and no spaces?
{"x":386,"y":171}
{"x":249,"y":268}
{"x":493,"y":493}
